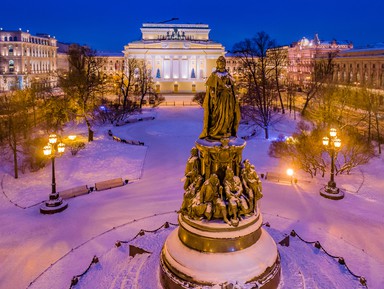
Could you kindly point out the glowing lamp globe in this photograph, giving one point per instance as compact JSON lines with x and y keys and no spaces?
{"x":61,"y":147}
{"x":337,"y":143}
{"x":325,"y":141}
{"x":332,"y":132}
{"x":52,"y":138}
{"x":47,"y":150}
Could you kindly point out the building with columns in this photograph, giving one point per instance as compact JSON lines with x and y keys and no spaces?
{"x":25,"y":57}
{"x":363,"y":66}
{"x":179,"y":56}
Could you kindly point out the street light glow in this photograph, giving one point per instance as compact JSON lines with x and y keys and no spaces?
{"x":55,"y":203}
{"x":325,"y":141}
{"x":331,"y":191}
{"x":52,"y":138}
{"x":332,"y":132}
{"x":61,"y":147}
{"x":47,"y":150}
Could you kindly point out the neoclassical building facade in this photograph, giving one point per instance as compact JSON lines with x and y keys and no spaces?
{"x":302,"y":56}
{"x":178,"y":56}
{"x":24,"y":57}
{"x":364,"y":66}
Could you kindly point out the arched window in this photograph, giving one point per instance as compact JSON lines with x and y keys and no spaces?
{"x":5,"y":38}
{"x":10,"y":50}
{"x":11,"y":66}
{"x":136,"y":72}
{"x":15,"y":38}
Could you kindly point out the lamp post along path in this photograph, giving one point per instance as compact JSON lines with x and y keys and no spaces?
{"x":55,"y":203}
{"x":332,"y":143}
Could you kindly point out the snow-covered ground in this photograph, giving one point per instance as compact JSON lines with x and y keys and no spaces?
{"x":46,"y":251}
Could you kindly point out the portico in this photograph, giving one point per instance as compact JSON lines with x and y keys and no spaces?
{"x":179,"y":56}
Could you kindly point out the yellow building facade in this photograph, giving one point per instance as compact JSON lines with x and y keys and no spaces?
{"x":25,"y":57}
{"x":178,"y":56}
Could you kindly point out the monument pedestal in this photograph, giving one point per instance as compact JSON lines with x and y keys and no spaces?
{"x":245,"y":254}
{"x":220,"y":240}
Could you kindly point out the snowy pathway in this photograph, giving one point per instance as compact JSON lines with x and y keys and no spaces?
{"x":31,"y":242}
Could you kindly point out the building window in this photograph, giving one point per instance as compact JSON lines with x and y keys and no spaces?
{"x":11,"y":66}
{"x":167,"y":68}
{"x":15,"y":38}
{"x":10,"y":50}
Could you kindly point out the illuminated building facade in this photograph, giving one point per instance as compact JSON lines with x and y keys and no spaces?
{"x":24,"y":57}
{"x":302,"y":56}
{"x":179,"y":56}
{"x":361,"y":67}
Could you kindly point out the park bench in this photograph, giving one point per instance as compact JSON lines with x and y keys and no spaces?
{"x":109,"y":184}
{"x":74,"y":192}
{"x":279,"y":177}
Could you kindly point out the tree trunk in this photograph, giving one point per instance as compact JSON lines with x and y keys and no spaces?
{"x":266,"y":132}
{"x":278,"y":91}
{"x":378,"y":131}
{"x":281,"y":103}
{"x":14,"y":149}
{"x":305,"y":106}
{"x":90,"y":131}
{"x":15,"y":164}
{"x":369,"y":126}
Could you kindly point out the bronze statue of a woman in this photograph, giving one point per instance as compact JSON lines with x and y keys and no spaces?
{"x":221,"y":108}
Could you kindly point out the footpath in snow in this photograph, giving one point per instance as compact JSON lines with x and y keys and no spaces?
{"x":352,"y":228}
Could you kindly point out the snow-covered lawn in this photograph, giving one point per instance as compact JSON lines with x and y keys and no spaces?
{"x":30,"y":242}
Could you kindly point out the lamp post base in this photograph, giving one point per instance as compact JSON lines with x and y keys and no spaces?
{"x":333,"y":193}
{"x":54,"y":205}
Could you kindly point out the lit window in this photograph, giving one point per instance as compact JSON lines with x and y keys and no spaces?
{"x":11,"y":66}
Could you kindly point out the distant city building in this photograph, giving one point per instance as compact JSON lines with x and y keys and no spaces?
{"x":179,"y":56}
{"x":113,"y":62}
{"x":302,"y":55}
{"x":25,"y":58}
{"x":364,"y":66}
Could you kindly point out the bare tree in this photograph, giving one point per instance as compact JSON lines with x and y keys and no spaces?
{"x":258,"y":77}
{"x":367,"y":105}
{"x":304,"y":150}
{"x":277,"y":58}
{"x":15,"y":124}
{"x":126,"y":80}
{"x":143,"y":82}
{"x":323,"y":67}
{"x":84,"y":82}
{"x":291,"y":98}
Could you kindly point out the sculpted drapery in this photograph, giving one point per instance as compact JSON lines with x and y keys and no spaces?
{"x":221,"y":108}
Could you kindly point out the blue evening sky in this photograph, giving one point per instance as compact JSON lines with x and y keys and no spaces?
{"x":109,"y":25}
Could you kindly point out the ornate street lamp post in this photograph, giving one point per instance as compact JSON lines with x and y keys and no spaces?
{"x":331,"y":191}
{"x":55,"y":203}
